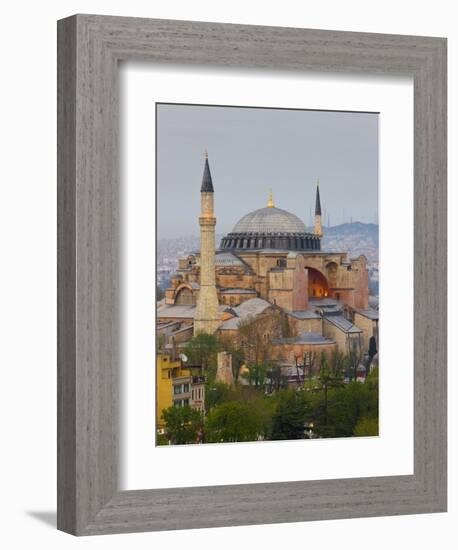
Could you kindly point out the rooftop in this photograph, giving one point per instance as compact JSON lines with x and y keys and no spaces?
{"x":181,"y":311}
{"x":252,"y":307}
{"x":248,"y":308}
{"x":307,"y":314}
{"x":369,"y":313}
{"x":270,"y":220}
{"x":167,"y":324}
{"x":343,"y":324}
{"x":227,"y":258}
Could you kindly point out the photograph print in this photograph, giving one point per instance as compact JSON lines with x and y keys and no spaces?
{"x":267,"y":270}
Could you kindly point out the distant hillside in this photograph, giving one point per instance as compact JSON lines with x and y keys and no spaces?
{"x":356,"y":238}
{"x":359,"y":228}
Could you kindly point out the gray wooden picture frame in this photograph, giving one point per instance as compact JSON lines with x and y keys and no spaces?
{"x":89,"y":49}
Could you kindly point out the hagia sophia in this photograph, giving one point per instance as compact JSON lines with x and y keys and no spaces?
{"x":269,"y":264}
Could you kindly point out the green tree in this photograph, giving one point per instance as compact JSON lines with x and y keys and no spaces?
{"x":182,"y":424}
{"x":161,"y":439}
{"x":372,"y":380}
{"x":216,"y":394}
{"x":328,"y":379}
{"x":310,"y":358}
{"x":336,"y":363}
{"x":256,"y":374}
{"x":275,"y":376}
{"x":290,"y":414}
{"x":367,"y":426}
{"x":202,"y":350}
{"x":234,"y":421}
{"x":346,"y":405}
{"x":371,"y":353}
{"x":352,"y":361}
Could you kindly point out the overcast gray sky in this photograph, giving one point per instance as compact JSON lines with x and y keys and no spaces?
{"x":253,"y":150}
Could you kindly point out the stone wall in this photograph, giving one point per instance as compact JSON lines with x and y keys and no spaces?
{"x":224,"y":368}
{"x":333,"y":333}
{"x":305,"y":325}
{"x":300,"y":300}
{"x":368,"y":326}
{"x":346,"y":280}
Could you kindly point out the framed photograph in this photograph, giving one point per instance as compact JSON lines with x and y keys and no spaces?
{"x":272,"y":346}
{"x":251,"y":275}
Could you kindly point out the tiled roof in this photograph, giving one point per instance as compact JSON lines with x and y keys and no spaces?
{"x":185,"y":328}
{"x":248,"y":308}
{"x":226,"y":258}
{"x":343,"y":324}
{"x":252,"y":307}
{"x":369,"y":313}
{"x":231,"y":324}
{"x":181,"y":311}
{"x":307,"y":314}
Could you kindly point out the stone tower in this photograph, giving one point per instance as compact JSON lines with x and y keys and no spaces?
{"x":318,"y":230}
{"x":206,"y":318}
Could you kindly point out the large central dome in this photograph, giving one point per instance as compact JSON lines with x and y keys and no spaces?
{"x":270,"y":220}
{"x":270,"y":228}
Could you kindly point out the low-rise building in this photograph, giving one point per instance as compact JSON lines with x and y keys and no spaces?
{"x":177,"y":385}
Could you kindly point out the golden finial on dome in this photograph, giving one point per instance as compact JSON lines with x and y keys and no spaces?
{"x":270,"y":203}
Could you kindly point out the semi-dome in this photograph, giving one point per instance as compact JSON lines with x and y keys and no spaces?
{"x":270,"y":228}
{"x":270,"y":220}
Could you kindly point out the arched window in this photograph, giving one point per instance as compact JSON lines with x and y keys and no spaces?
{"x":185,"y":297}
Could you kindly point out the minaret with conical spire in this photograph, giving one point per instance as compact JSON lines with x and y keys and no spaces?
{"x":206,"y":318}
{"x":318,"y":229}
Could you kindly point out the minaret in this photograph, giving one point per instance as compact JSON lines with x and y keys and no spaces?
{"x":318,"y":230}
{"x":206,"y":318}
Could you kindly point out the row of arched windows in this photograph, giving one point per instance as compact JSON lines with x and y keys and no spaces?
{"x":288,"y":243}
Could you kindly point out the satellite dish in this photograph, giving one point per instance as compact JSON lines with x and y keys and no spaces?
{"x":183,"y":357}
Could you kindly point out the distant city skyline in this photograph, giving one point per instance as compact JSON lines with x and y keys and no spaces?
{"x":254,"y":150}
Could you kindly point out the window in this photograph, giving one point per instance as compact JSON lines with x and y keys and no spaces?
{"x":181,"y":402}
